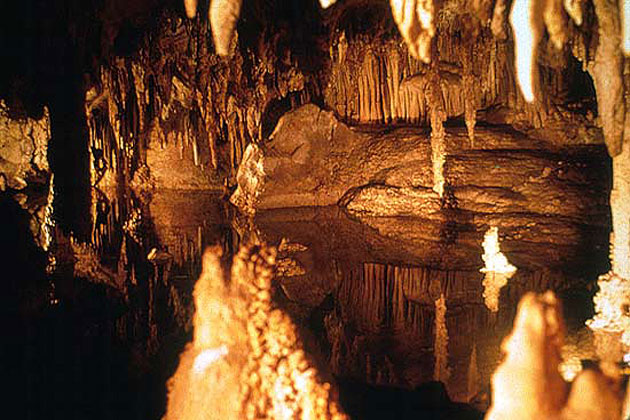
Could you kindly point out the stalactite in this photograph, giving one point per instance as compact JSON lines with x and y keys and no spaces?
{"x":497,"y":25}
{"x":574,"y":9}
{"x":438,"y":143}
{"x":416,"y":23}
{"x":607,"y":75}
{"x":469,"y":87}
{"x":191,"y":8}
{"x":223,"y":16}
{"x":527,"y":25}
{"x":555,"y":22}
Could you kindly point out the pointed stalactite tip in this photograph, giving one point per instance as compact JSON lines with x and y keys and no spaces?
{"x":223,"y":16}
{"x":191,"y":8}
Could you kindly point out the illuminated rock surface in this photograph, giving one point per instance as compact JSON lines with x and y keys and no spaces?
{"x":23,"y":148}
{"x":528,"y":385}
{"x":245,"y":360}
{"x":414,"y":120}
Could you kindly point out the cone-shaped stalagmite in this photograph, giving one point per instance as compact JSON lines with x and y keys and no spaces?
{"x":528,"y":386}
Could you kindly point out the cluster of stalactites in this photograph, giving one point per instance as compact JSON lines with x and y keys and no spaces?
{"x":530,"y":18}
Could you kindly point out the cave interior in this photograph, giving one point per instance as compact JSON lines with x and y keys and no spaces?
{"x":301,"y":209}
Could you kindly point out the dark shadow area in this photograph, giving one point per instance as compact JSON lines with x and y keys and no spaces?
{"x":428,"y":401}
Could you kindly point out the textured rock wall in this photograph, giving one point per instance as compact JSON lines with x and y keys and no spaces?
{"x":23,"y":148}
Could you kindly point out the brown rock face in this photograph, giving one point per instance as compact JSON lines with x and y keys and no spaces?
{"x":312,"y":159}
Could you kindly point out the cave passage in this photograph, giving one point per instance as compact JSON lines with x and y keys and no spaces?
{"x":282,"y":209}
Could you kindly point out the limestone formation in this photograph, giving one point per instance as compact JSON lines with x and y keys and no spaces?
{"x":23,"y":148}
{"x":528,"y":385}
{"x":245,"y":360}
{"x":223,"y":15}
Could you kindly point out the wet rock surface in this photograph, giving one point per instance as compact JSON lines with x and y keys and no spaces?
{"x":387,"y":173}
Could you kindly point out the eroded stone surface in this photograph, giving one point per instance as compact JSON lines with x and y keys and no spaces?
{"x":23,"y":148}
{"x":312,"y":159}
{"x":388,"y":173}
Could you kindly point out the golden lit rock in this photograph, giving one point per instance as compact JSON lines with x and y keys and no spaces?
{"x":415,"y":21}
{"x":497,"y":269}
{"x":528,"y":385}
{"x":245,"y":360}
{"x":223,"y":16}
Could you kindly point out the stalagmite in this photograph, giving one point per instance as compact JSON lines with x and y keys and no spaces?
{"x":415,"y":21}
{"x":497,"y":269}
{"x":527,"y":25}
{"x":527,"y":384}
{"x":223,"y":16}
{"x":245,"y":360}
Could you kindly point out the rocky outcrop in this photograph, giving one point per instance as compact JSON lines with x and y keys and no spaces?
{"x":23,"y":148}
{"x":312,"y":159}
